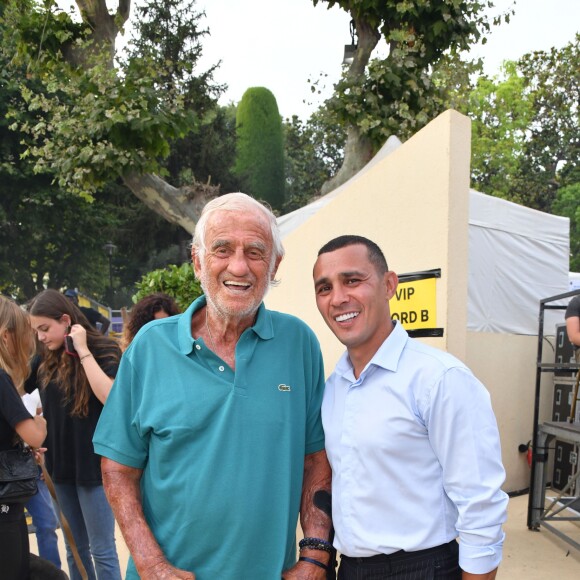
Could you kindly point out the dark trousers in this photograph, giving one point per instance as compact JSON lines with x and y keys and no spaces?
{"x":439,"y":563}
{"x":14,"y":549}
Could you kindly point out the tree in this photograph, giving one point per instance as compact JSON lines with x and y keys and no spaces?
{"x":526,"y":127}
{"x":172,"y":38}
{"x":501,"y":110}
{"x":260,"y":148}
{"x":372,"y":99}
{"x":305,"y":170}
{"x":551,"y":157}
{"x":144,"y":241}
{"x":48,"y":237}
{"x":567,"y":204}
{"x":52,"y":238}
{"x":313,"y":153}
{"x":97,"y":118}
{"x":526,"y":134}
{"x":207,"y":156}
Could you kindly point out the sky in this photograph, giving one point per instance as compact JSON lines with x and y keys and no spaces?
{"x":307,"y":41}
{"x":281,"y":44}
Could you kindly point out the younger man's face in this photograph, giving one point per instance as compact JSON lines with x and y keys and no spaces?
{"x":352,"y":297}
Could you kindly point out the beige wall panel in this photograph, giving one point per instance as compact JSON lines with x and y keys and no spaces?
{"x":415,"y":206}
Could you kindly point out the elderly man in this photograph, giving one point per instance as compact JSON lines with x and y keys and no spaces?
{"x":211,"y":436}
{"x":410,"y":435}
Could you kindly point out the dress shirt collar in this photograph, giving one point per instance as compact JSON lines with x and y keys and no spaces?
{"x":386,"y":357}
{"x":262,"y":326}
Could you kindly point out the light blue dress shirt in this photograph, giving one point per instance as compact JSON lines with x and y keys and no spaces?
{"x":415,"y":455}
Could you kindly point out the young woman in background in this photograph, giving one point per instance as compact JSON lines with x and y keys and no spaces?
{"x":16,"y":348}
{"x":75,"y":373}
{"x":152,"y":307}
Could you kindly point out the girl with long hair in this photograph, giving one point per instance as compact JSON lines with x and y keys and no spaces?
{"x":16,"y":423}
{"x":74,"y":373}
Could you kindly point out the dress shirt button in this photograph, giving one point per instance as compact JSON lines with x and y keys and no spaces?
{"x":222,"y":368}
{"x":198,"y":347}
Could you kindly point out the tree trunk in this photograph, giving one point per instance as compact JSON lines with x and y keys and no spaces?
{"x":178,"y":206}
{"x":104,"y":27}
{"x":358,"y":149}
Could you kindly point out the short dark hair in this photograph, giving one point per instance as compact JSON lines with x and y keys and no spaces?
{"x":375,"y":254}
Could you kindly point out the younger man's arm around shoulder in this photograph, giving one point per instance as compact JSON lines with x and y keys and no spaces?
{"x":122,"y":487}
{"x":315,"y":519}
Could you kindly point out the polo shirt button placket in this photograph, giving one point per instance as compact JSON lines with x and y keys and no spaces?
{"x":221,"y":368}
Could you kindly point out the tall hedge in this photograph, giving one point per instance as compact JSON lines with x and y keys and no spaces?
{"x":260,"y":147}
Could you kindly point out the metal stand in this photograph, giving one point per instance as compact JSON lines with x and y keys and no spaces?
{"x":567,"y":506}
{"x":547,"y":516}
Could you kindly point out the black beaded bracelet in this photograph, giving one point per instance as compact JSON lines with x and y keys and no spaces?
{"x":315,"y":544}
{"x":313,"y":561}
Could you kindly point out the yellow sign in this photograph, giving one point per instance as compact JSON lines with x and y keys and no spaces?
{"x":415,"y":304}
{"x":84,"y":301}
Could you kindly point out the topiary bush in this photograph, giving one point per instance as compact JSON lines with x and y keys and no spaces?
{"x":260,"y":147}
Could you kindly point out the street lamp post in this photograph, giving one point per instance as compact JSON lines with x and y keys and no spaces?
{"x":110,"y":248}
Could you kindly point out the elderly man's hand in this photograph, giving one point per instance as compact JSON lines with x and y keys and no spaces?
{"x":165,"y":571}
{"x":304,"y":571}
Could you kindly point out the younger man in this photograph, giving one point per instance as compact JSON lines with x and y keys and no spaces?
{"x":410,"y":436}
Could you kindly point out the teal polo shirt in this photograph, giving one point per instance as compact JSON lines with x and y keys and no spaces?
{"x":222,"y":451}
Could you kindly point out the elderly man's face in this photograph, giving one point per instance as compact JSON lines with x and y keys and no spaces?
{"x":236,"y":269}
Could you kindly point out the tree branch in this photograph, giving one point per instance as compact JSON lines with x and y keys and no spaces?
{"x":179,"y":206}
{"x":123,"y":11}
{"x":368,"y":38}
{"x":102,"y":23}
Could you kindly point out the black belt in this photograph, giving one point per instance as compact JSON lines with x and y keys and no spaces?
{"x":401,"y":555}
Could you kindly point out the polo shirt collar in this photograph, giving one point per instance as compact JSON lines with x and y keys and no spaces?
{"x":263,"y":326}
{"x":386,"y":357}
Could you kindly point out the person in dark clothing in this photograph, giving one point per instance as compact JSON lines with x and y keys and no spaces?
{"x":572,"y":317}
{"x":16,"y":423}
{"x":97,"y":320}
{"x":74,"y":381}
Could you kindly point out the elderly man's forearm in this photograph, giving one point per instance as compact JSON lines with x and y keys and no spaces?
{"x":122,"y":488}
{"x":315,"y":517}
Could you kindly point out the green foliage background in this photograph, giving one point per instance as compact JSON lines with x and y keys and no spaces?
{"x":67,"y":134}
{"x":179,"y":282}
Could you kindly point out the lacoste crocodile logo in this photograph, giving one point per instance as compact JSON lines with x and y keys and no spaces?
{"x":283,"y":387}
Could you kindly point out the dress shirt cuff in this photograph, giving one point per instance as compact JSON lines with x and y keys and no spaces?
{"x":480,"y":559}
